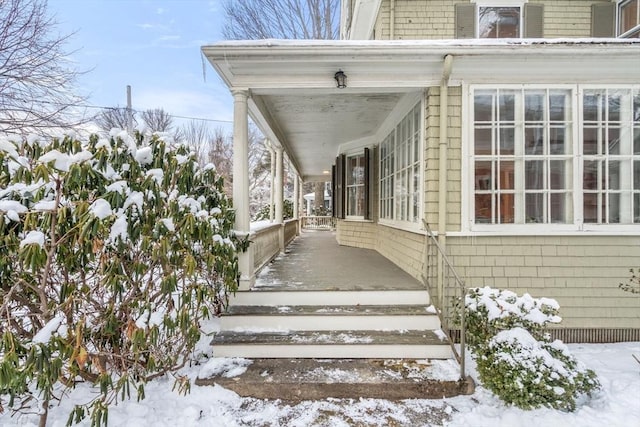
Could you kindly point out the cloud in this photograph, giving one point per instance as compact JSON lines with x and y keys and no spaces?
{"x":160,"y":11}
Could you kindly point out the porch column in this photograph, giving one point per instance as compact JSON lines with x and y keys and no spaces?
{"x":296,"y":202}
{"x":241,"y":183}
{"x":279,"y":186}
{"x":272,"y":181}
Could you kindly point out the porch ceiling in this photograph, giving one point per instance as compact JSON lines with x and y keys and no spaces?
{"x":295,"y":102}
{"x":313,"y":125}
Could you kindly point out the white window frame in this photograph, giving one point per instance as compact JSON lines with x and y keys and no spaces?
{"x":414,"y":180}
{"x":500,"y":3}
{"x":635,"y":29}
{"x":360,"y":153}
{"x":468,"y":170}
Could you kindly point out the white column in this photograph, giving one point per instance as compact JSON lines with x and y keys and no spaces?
{"x":241,"y":182}
{"x":279,"y":217}
{"x":272,"y":182}
{"x":279,"y":184}
{"x":296,"y":203}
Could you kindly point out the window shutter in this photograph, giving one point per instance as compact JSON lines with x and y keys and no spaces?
{"x":334,"y":188}
{"x":533,"y":21}
{"x":603,"y":20}
{"x":367,"y":168}
{"x":465,"y":20}
{"x":339,"y":208}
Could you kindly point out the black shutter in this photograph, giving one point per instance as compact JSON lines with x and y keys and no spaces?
{"x":367,"y":209}
{"x":334,"y":199}
{"x":603,"y":20}
{"x":465,"y":20}
{"x":338,"y":193}
{"x":533,"y":21}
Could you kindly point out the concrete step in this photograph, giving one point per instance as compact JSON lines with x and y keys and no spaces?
{"x":330,"y":297}
{"x":337,"y":318}
{"x":349,"y":344}
{"x":297,"y":380}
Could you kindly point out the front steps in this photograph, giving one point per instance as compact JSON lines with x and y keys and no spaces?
{"x":331,"y":324}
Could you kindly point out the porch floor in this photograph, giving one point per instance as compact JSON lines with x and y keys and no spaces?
{"x":314,"y":261}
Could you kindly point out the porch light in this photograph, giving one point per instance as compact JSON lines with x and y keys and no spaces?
{"x":341,"y":79}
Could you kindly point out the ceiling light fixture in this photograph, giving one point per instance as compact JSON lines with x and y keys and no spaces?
{"x":341,"y":79}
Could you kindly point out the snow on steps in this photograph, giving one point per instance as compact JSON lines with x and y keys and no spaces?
{"x":331,"y":324}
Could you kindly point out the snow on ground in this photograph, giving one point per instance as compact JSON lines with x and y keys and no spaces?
{"x":617,"y":404}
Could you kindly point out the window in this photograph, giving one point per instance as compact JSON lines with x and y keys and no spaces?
{"x":531,"y":167}
{"x":355,"y":186}
{"x":499,"y":19}
{"x":629,"y":18}
{"x":400,"y":174}
{"x":498,"y":22}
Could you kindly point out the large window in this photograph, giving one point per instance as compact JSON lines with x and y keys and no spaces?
{"x":355,"y":182}
{"x":400,"y":173}
{"x":629,"y":18}
{"x":556,"y":156}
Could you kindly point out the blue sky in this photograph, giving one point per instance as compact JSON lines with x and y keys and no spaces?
{"x":152,"y":45}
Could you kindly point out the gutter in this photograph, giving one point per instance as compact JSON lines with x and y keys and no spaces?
{"x":442,"y":166}
{"x":392,"y":20}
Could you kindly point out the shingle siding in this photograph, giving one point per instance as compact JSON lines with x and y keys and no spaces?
{"x":434,"y":19}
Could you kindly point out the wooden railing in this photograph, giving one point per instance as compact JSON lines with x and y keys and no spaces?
{"x":447,"y":291}
{"x":318,"y":223}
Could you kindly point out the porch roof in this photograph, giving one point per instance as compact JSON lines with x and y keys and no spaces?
{"x":295,"y":102}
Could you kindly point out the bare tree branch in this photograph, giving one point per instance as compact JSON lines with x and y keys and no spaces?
{"x":36,"y":78}
{"x":157,"y":120}
{"x":281,"y":19}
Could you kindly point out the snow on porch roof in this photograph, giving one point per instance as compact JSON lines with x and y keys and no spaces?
{"x":295,"y":102}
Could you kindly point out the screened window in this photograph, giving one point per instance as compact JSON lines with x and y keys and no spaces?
{"x":400,"y":176}
{"x":531,"y":166}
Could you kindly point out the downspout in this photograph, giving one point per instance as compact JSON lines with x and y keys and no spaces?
{"x":392,"y":20}
{"x":443,"y":169}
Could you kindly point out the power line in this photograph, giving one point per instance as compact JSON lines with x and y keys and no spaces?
{"x":98,"y":107}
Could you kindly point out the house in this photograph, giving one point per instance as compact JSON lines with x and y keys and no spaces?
{"x":510,"y":127}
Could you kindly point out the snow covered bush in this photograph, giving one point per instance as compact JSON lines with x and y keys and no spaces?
{"x":112,"y":251}
{"x":490,"y":311}
{"x":528,"y":373}
{"x":515,"y":358}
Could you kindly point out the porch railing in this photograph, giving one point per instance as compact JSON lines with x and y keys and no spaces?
{"x":447,"y":291}
{"x":318,"y":223}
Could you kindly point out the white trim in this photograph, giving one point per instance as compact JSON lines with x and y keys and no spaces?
{"x":635,"y":28}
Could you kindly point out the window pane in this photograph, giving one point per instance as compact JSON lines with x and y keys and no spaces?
{"x":560,"y":179}
{"x":534,"y":107}
{"x":590,"y":141}
{"x":615,"y":101}
{"x":507,"y":106}
{"x":507,"y":136}
{"x":558,"y":107}
{"x":507,"y":209}
{"x":628,"y":15}
{"x":590,"y":175}
{"x":636,"y":140}
{"x":506,"y":176}
{"x":499,"y":22}
{"x":557,"y":141}
{"x":483,"y":208}
{"x":483,"y":106}
{"x":534,"y":140}
{"x":614,"y":208}
{"x":534,"y":208}
{"x":613,"y":143}
{"x":483,"y":176}
{"x":592,"y":106}
{"x":590,"y":207}
{"x":636,"y":208}
{"x":636,"y":175}
{"x":483,"y":141}
{"x":560,"y":208}
{"x":534,"y":175}
{"x":614,"y":175}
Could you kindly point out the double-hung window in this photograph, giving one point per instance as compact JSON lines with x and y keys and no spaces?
{"x":355,"y":183}
{"x":400,"y":171}
{"x":629,"y":18}
{"x":566,"y":156}
{"x":499,"y":22}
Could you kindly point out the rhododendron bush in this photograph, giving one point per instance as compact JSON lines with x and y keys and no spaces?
{"x":113,"y":250}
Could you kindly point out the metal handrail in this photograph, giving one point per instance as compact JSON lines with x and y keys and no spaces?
{"x":444,"y":311}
